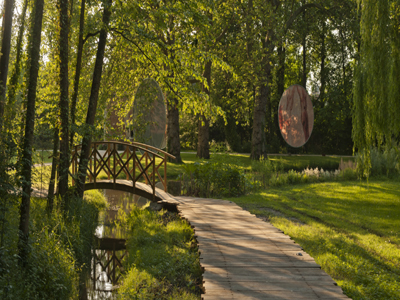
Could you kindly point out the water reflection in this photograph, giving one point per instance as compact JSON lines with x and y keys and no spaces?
{"x":120,"y":203}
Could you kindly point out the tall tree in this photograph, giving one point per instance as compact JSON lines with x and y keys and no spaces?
{"x":26,"y":168}
{"x":94,"y":96}
{"x":376,"y":120}
{"x":77,"y":70}
{"x":220,"y":17}
{"x":15,"y":77}
{"x":263,"y":84}
{"x":63,"y":103}
{"x":5,"y":53}
{"x":50,"y":194}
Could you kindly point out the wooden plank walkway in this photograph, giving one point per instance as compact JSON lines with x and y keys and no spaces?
{"x":244,"y":257}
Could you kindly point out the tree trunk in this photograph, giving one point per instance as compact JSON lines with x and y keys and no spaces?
{"x":323,"y":71}
{"x":26,"y":170}
{"x":173,"y":140}
{"x":258,"y":148}
{"x":94,"y":96}
{"x":64,"y":106}
{"x":203,"y":146}
{"x":5,"y":54}
{"x":17,"y":65}
{"x":258,"y":134}
{"x":280,"y":83}
{"x":77,"y":71}
{"x":304,"y":44}
{"x":50,"y":194}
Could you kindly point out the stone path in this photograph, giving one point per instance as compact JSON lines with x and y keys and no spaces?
{"x":244,"y":257}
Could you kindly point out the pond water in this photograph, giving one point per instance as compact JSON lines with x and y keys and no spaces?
{"x":100,"y":286}
{"x":119,"y":202}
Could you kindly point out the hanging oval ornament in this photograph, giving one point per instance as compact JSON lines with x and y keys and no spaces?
{"x":149,"y":115}
{"x":296,"y":116}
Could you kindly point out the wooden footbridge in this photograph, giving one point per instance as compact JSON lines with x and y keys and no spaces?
{"x":129,"y":167}
{"x":242,"y":256}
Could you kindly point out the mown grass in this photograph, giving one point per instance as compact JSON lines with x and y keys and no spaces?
{"x":352,"y":229}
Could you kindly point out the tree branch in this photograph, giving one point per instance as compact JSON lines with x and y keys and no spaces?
{"x":147,"y":57}
{"x":90,"y":35}
{"x":218,"y":38}
{"x":299,"y":11}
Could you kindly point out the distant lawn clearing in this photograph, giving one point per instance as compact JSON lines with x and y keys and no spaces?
{"x":243,"y":161}
{"x":352,"y":229}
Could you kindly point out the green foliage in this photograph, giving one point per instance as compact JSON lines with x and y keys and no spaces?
{"x":60,"y":249}
{"x":382,"y":162}
{"x":216,"y":179}
{"x":348,"y":227}
{"x":163,"y":262}
{"x":376,"y":119}
{"x":96,"y":198}
{"x":50,"y":271}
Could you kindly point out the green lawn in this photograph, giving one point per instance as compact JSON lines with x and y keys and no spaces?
{"x":352,"y":229}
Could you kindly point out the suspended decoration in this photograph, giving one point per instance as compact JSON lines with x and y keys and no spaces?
{"x":296,"y":116}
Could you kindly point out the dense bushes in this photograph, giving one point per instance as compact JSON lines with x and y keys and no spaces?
{"x":383,"y":162}
{"x":222,"y":179}
{"x":213,"y":179}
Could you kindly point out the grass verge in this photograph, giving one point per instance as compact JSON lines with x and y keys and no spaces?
{"x":350,"y":228}
{"x":163,"y":261}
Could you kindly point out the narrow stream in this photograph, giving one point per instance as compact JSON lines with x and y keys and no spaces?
{"x":102,"y":287}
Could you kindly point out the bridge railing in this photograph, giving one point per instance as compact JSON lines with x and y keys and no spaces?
{"x":138,"y":162}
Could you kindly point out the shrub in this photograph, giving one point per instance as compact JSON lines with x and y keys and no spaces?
{"x":213,"y":180}
{"x":293,"y":177}
{"x":382,"y":162}
{"x":348,"y":174}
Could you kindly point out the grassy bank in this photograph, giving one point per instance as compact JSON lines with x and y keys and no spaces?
{"x":59,"y":248}
{"x":163,"y":261}
{"x":350,"y":228}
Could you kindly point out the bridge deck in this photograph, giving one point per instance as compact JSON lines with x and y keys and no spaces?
{"x":141,"y":189}
{"x":246,"y":258}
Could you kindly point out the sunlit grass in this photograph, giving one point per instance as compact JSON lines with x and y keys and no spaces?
{"x":352,"y":229}
{"x":163,"y":262}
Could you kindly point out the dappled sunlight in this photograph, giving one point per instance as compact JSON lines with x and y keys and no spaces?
{"x":350,"y":228}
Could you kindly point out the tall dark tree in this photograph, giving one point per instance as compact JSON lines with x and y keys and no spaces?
{"x":13,"y":87}
{"x":212,"y":36}
{"x":203,"y":146}
{"x":78,"y":68}
{"x":50,"y":194}
{"x":94,"y":96}
{"x":5,"y":53}
{"x":26,"y":168}
{"x":63,"y":103}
